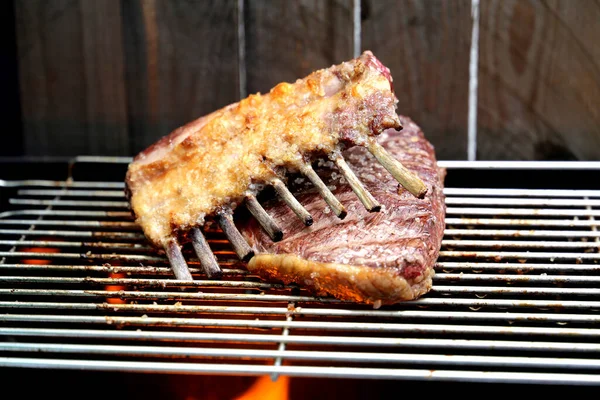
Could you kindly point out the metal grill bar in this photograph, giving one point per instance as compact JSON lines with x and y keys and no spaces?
{"x":64,"y":233}
{"x":76,"y":256}
{"x":69,"y":186}
{"x":354,"y":357}
{"x":445,"y":256}
{"x":62,"y":184}
{"x":441,"y":266}
{"x":516,"y":291}
{"x":517,"y":244}
{"x":138,"y":270}
{"x":412,"y":343}
{"x":54,"y":243}
{"x":71,"y":193}
{"x":509,"y":201}
{"x":451,"y":243}
{"x":264,"y":311}
{"x":484,"y":201}
{"x":521,"y":192}
{"x":148,"y":295}
{"x":124,"y":294}
{"x":519,"y":267}
{"x":521,"y":255}
{"x":138,"y":282}
{"x":330,"y":372}
{"x":521,"y":233}
{"x":103,"y":224}
{"x":68,"y":192}
{"x":492,"y":222}
{"x":521,"y":165}
{"x":539,"y":212}
{"x":421,"y":303}
{"x":316,"y":325}
{"x":558,"y":212}
{"x":559,"y":279}
{"x":70,"y":203}
{"x":67,"y":213}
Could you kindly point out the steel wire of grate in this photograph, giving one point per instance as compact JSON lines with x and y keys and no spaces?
{"x":515,"y":296}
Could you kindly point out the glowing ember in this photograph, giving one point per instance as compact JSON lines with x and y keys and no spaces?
{"x":115,"y":288}
{"x":39,"y":250}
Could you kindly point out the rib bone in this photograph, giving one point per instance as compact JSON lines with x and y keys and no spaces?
{"x":240,"y":246}
{"x":205,"y":255}
{"x":292,"y":202}
{"x":410,"y":181}
{"x":178,"y":264}
{"x":357,"y":186}
{"x":264,"y":219}
{"x":329,"y":197}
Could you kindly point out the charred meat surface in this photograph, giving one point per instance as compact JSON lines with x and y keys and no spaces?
{"x":376,"y":258}
{"x":214,"y":162}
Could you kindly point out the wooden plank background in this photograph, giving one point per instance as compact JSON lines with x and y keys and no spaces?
{"x":71,"y":77}
{"x":426,"y":46}
{"x":181,"y":63}
{"x":539,"y":77}
{"x":110,"y":77}
{"x":286,"y":40}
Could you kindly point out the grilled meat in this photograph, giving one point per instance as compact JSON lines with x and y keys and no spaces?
{"x":213,"y":162}
{"x":378,"y":258}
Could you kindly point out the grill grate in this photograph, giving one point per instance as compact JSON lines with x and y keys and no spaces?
{"x":515,"y":297}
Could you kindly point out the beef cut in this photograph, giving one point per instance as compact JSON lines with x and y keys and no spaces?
{"x":202,"y":171}
{"x":376,"y":258}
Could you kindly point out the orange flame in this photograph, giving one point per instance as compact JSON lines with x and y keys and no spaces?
{"x":265,"y":389}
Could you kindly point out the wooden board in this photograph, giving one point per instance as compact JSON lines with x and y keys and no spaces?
{"x":71,"y":77}
{"x":539,"y":80}
{"x":426,"y":46}
{"x":110,"y":77}
{"x":287,"y":40}
{"x":181,"y":63}
{"x":10,"y":106}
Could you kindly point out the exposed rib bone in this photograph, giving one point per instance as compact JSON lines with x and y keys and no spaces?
{"x":240,"y":246}
{"x":292,"y":202}
{"x":329,"y":197}
{"x":357,"y":186}
{"x":410,"y":181}
{"x":205,"y":255}
{"x":178,"y":264}
{"x":264,"y":219}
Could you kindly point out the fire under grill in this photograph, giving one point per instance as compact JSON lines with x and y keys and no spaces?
{"x":515,"y":298}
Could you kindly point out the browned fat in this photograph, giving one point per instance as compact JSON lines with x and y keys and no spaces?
{"x":217,"y":163}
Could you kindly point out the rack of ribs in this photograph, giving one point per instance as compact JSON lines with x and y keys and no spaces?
{"x":202,"y":171}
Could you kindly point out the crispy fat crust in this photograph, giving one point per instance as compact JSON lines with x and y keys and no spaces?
{"x":349,"y":282}
{"x":213,"y":162}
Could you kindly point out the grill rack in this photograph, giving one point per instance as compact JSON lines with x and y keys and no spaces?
{"x":515,"y":296}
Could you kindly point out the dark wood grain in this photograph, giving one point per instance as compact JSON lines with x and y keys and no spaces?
{"x":71,"y":77}
{"x":287,"y":40}
{"x":539,"y":80}
{"x":110,"y":77}
{"x":426,"y":46}
{"x":181,"y":63}
{"x":10,"y":106}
